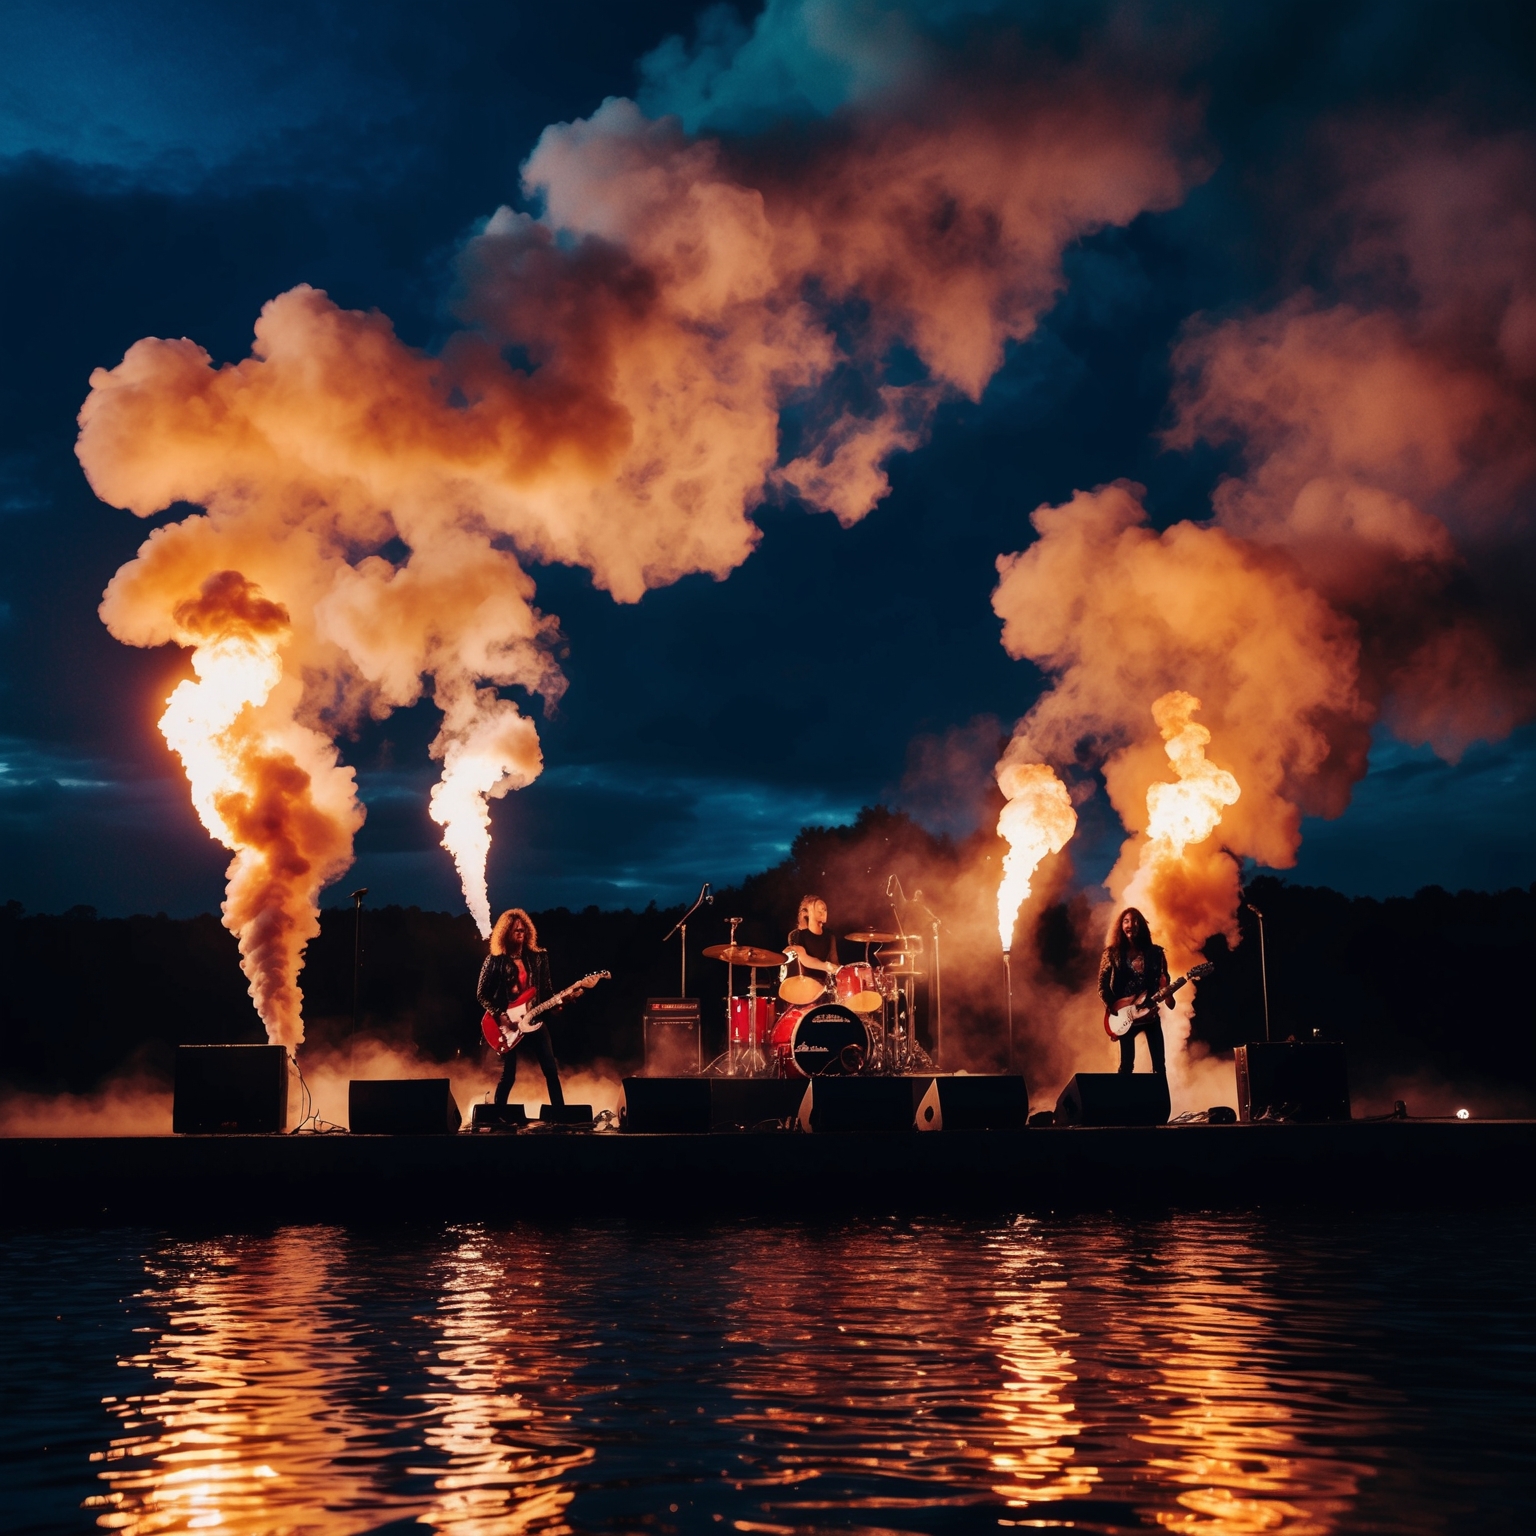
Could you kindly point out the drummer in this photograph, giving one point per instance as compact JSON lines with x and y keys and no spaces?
{"x":812,"y":950}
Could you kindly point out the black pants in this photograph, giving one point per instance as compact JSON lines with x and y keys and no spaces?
{"x":544,"y":1047}
{"x":1153,"y":1029}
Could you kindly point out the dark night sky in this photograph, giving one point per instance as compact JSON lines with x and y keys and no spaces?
{"x":167,"y":167}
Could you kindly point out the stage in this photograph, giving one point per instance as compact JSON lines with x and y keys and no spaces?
{"x":557,"y":1172}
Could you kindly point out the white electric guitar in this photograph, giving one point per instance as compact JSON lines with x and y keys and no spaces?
{"x":1123,"y":1015}
{"x":522,"y":1015}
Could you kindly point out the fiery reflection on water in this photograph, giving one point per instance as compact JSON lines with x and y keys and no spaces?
{"x":900,"y":1376}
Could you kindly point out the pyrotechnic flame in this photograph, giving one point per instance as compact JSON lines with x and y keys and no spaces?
{"x":1038,"y":819}
{"x":1188,"y":811}
{"x":488,"y":749}
{"x":235,"y":672}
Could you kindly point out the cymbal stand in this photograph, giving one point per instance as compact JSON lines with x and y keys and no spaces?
{"x":730,"y":997}
{"x":754,"y":1062}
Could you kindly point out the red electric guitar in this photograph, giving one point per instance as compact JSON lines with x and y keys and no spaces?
{"x":1125,"y":1013}
{"x":522,"y":1016}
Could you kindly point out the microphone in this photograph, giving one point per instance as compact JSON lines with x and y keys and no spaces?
{"x":707,"y":897}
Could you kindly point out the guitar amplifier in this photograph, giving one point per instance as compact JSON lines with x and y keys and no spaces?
{"x":239,"y":1089}
{"x":671,"y":1036}
{"x":1292,"y":1080}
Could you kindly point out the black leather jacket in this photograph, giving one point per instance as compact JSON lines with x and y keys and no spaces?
{"x":1119,"y":979}
{"x":498,"y":979}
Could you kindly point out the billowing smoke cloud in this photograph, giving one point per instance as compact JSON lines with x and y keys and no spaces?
{"x":1367,"y":561}
{"x":613,"y":402}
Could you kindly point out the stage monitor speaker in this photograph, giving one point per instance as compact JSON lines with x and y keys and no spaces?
{"x":666,"y":1106}
{"x":1114,"y":1098}
{"x":565,"y":1114}
{"x":1292,"y":1080}
{"x":866,"y":1105}
{"x":497,"y":1117}
{"x":239,"y":1089}
{"x":984,"y":1102}
{"x":402,"y":1106}
{"x":746,"y":1103}
{"x":671,"y":1036}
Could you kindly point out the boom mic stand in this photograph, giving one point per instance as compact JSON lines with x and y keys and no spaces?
{"x":681,"y":926}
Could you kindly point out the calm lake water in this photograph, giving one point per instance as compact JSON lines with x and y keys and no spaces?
{"x":1218,"y":1373}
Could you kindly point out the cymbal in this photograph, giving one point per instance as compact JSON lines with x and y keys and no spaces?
{"x":871,"y":937}
{"x":744,"y":954}
{"x":902,"y":970}
{"x":911,"y":946}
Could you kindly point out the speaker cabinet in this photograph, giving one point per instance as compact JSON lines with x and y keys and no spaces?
{"x":671,"y":1036}
{"x":1114,"y":1098}
{"x":990,"y":1102}
{"x":240,"y":1089}
{"x":402,"y":1106}
{"x":1292,"y":1080}
{"x":666,"y":1106}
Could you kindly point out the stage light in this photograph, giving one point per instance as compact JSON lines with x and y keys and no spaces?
{"x":1463,"y":1114}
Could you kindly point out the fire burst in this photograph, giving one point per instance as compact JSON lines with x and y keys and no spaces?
{"x":1038,"y":819}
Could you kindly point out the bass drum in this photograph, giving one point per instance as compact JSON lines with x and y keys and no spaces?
{"x":820,"y":1040}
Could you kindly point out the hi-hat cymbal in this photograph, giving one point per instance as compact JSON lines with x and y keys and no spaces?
{"x":871,"y":937}
{"x":744,"y":954}
{"x":911,"y":945}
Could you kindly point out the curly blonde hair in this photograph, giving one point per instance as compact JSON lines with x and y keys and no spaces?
{"x":504,"y":922}
{"x":802,"y":918}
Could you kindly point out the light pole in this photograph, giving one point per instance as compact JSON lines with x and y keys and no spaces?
{"x":357,"y":953}
{"x":1263,"y":965}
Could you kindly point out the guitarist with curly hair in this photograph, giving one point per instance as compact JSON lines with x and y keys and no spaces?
{"x":517,"y":970}
{"x":1135,"y":970}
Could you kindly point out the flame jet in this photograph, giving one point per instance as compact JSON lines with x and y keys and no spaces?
{"x":1037,"y":820}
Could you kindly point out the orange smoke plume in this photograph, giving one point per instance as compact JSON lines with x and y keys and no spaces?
{"x":669,"y":298}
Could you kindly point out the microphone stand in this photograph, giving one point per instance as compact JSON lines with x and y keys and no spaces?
{"x":681,"y":926}
{"x":936,"y":991}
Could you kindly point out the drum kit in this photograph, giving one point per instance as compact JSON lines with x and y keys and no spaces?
{"x":858,"y":1019}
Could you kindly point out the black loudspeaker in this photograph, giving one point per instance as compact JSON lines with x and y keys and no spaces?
{"x":656,"y":1106}
{"x":402,"y":1106}
{"x":982,"y":1103}
{"x":230,"y":1088}
{"x":865,"y":1104}
{"x":1114,"y":1098}
{"x":1292,"y":1080}
{"x":671,"y":1036}
{"x":497,"y":1117}
{"x":742,"y":1103}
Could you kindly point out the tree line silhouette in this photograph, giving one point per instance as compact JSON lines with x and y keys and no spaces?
{"x":1426,"y":985}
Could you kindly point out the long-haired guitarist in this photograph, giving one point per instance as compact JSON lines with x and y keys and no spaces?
{"x":515,"y":964}
{"x":1133,"y":966}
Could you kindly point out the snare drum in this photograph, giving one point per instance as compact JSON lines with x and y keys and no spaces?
{"x":751,"y":1022}
{"x":820,"y":1040}
{"x":858,"y":988}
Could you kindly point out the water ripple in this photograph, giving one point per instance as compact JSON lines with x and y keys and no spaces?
{"x":1217,"y":1374}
